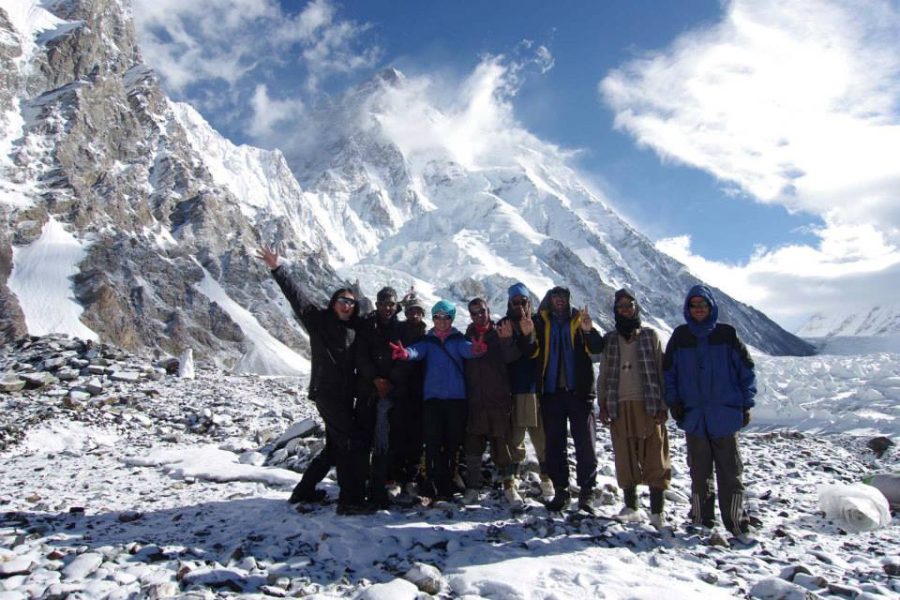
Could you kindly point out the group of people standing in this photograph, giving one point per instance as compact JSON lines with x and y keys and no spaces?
{"x":402,"y":403}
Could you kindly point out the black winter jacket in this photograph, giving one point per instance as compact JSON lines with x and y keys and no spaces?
{"x":332,"y":341}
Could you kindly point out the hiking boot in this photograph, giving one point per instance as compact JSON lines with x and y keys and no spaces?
{"x":470,"y":496}
{"x":309,"y":496}
{"x":629,"y":494}
{"x":559,"y":501}
{"x":586,"y":501}
{"x":511,"y":493}
{"x":658,"y":520}
{"x":547,"y":490}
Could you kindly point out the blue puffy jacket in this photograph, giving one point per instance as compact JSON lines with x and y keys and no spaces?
{"x":709,"y":373}
{"x":444,"y":368}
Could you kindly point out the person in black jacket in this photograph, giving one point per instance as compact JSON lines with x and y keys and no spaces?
{"x":566,"y":340}
{"x":408,"y":394}
{"x":376,"y":386}
{"x":332,"y":336}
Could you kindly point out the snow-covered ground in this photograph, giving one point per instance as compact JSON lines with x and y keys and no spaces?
{"x":177,"y":487}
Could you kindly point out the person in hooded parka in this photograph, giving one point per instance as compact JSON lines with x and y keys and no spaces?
{"x":710,"y":389}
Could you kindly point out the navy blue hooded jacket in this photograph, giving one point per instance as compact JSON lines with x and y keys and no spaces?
{"x":709,"y":372}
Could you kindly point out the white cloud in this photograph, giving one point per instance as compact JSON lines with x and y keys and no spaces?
{"x":794,"y":103}
{"x":854,"y":267}
{"x":269,"y":113}
{"x":472,"y":121}
{"x":232,"y":41}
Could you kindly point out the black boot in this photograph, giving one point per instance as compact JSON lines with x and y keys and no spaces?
{"x":303,"y":494}
{"x":560,"y":500}
{"x":657,"y":501}
{"x":630,"y":496}
{"x":586,"y":502}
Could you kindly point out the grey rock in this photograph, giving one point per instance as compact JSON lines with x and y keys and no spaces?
{"x":775,"y":588}
{"x":11,"y":383}
{"x":38,"y":380}
{"x":427,"y":578}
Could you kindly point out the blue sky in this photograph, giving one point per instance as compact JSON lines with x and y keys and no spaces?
{"x":749,"y":139}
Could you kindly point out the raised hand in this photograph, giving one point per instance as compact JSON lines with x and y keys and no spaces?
{"x":586,"y":323}
{"x":526,"y":324}
{"x":505,"y":329}
{"x":398,"y":352}
{"x":268,"y":256}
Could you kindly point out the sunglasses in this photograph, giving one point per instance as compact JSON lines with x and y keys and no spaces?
{"x":518,"y":302}
{"x":441,"y":317}
{"x":699,"y":305}
{"x":347,"y":302}
{"x":386,"y":304}
{"x":624,"y":305}
{"x":478,"y":313}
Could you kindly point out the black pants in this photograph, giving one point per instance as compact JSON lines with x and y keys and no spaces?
{"x":559,"y":410}
{"x":723,"y":454}
{"x":406,"y":440}
{"x":346,"y":448}
{"x":444,"y":428}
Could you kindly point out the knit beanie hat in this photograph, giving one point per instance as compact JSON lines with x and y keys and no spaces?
{"x":446,"y":307}
{"x":518,"y":289}
{"x":413,"y":302}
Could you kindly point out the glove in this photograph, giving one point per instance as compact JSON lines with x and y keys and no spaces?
{"x":677,"y":411}
{"x":398,"y":352}
{"x":382,"y":424}
{"x":746,"y":418}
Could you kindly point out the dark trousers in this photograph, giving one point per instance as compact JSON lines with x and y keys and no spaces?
{"x":562,"y":410}
{"x":723,"y":455}
{"x":444,"y":428}
{"x":406,"y":440}
{"x":346,"y":448}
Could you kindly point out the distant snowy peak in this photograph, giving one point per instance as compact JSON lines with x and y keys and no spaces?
{"x":878,"y":321}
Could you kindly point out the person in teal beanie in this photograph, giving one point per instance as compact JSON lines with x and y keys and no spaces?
{"x":443,"y":349}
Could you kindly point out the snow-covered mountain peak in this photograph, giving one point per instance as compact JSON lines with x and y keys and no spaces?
{"x":876,"y":321}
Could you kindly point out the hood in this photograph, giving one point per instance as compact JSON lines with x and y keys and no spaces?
{"x":703,"y":292}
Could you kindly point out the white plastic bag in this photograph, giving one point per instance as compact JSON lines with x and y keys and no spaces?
{"x":888,"y":484}
{"x":860,"y":506}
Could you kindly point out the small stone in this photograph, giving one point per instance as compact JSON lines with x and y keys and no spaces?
{"x":775,"y":588}
{"x":129,"y":516}
{"x":11,"y":383}
{"x":427,"y":578}
{"x":879,"y":445}
{"x":129,"y":376}
{"x":35,"y":381}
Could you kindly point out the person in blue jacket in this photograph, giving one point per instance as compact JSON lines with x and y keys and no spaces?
{"x":710,"y":387}
{"x":444,"y":409}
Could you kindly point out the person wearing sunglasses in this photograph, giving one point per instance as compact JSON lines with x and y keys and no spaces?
{"x":375,"y":396}
{"x":490,"y":407}
{"x":332,"y":387}
{"x":519,"y":325}
{"x":630,"y":397}
{"x":567,"y":341}
{"x":444,"y":409}
{"x":710,"y":389}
